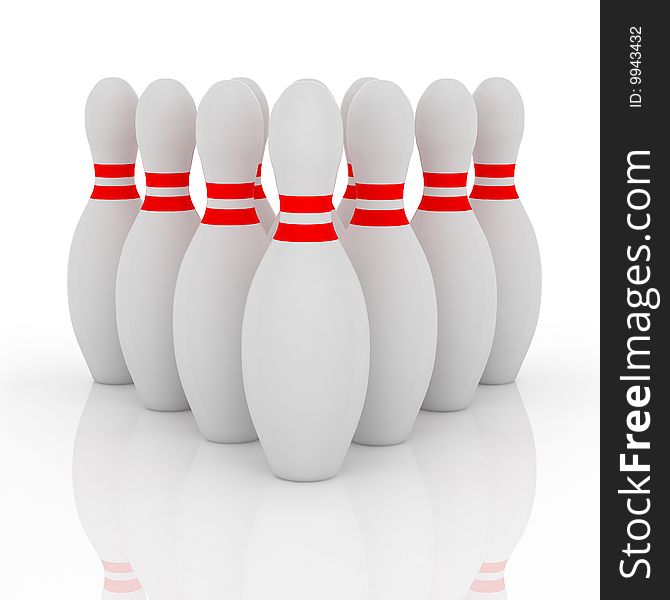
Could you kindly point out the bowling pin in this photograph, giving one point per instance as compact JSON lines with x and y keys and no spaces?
{"x":391,"y":265}
{"x":156,"y":244}
{"x":507,"y":228}
{"x":102,"y":229}
{"x":103,"y":436}
{"x":305,"y":335}
{"x":345,"y":209}
{"x":456,"y":248}
{"x":510,"y":452}
{"x":265,"y":212}
{"x":219,"y":264}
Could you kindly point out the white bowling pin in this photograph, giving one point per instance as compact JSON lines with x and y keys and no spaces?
{"x":456,"y":248}
{"x":391,"y":265}
{"x":265,"y":212}
{"x":305,"y":335}
{"x":156,"y":244}
{"x":220,"y":263}
{"x":102,"y":229}
{"x":103,"y":436}
{"x":510,"y":450}
{"x":506,"y":225}
{"x":345,"y":209}
{"x":157,"y":464}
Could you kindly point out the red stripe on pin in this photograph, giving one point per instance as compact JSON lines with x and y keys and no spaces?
{"x":259,"y":192}
{"x":379,"y":218}
{"x":485,"y":586}
{"x":444,"y":203}
{"x":379,"y":191}
{"x":167,"y":180}
{"x":350,"y":170}
{"x":494,"y":171}
{"x":167,"y":203}
{"x":445,"y":180}
{"x":350,"y":192}
{"x":122,"y":586}
{"x":114,"y":192}
{"x":230,"y":191}
{"x":305,"y":204}
{"x":311,"y":232}
{"x":230,"y":216}
{"x":111,"y":567}
{"x":114,"y":171}
{"x":258,"y":170}
{"x":494,"y":192}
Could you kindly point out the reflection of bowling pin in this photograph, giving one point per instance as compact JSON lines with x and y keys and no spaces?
{"x":389,"y":499}
{"x":305,"y":336}
{"x":219,"y":264}
{"x":219,"y":504}
{"x":451,"y":458}
{"x":156,"y":244}
{"x":265,"y":212}
{"x":506,"y":226}
{"x":345,"y":208}
{"x":508,"y":438}
{"x":103,"y":435}
{"x":305,"y":544}
{"x":456,"y":248}
{"x":391,"y":265}
{"x":157,"y":463}
{"x":103,"y":227}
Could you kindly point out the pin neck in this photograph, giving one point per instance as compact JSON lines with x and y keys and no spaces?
{"x":114,"y":182}
{"x":494,"y":182}
{"x":305,"y":219}
{"x":259,"y":193}
{"x":350,"y":192}
{"x":167,"y":192}
{"x":445,"y":192}
{"x":230,"y":204}
{"x":490,"y":579}
{"x":379,"y":205}
{"x":120,"y":578}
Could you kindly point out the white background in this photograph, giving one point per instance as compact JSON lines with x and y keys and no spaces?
{"x":54,"y":52}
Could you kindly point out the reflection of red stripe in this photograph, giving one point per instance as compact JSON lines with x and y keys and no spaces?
{"x":113,"y":171}
{"x":379,"y":218}
{"x":494,"y":170}
{"x":123,"y":586}
{"x":484,"y":586}
{"x":167,"y":203}
{"x":493,"y":567}
{"x":167,"y":180}
{"x":312,"y":232}
{"x":305,"y":204}
{"x":379,"y":191}
{"x":494,"y":192}
{"x":445,"y":180}
{"x":230,"y":216}
{"x":111,"y":567}
{"x":259,"y":192}
{"x":350,"y":192}
{"x":350,"y":170}
{"x":230,"y":191}
{"x":114,"y":192}
{"x":444,"y":203}
{"x":258,"y":170}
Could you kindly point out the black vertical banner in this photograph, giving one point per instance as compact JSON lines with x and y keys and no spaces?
{"x":635,"y":262}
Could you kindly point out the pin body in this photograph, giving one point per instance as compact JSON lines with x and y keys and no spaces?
{"x":102,"y":229}
{"x":305,"y":337}
{"x":507,"y":228}
{"x":456,"y":248}
{"x":156,"y":245}
{"x":220,"y":263}
{"x":391,"y":266}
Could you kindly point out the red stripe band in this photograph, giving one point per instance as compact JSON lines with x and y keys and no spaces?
{"x":259,"y":192}
{"x":113,"y":171}
{"x":305,"y":204}
{"x":230,"y":191}
{"x":312,"y":232}
{"x":258,"y":170}
{"x":350,"y":170}
{"x":485,"y":586}
{"x":444,"y":203}
{"x":111,"y":567}
{"x":350,"y":192}
{"x":379,"y":191}
{"x":114,"y":192}
{"x":445,"y":180}
{"x":167,"y":180}
{"x":167,"y":203}
{"x":379,"y":218}
{"x":122,"y":586}
{"x":494,"y":192}
{"x":496,"y":567}
{"x":230,"y":216}
{"x":494,"y":170}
